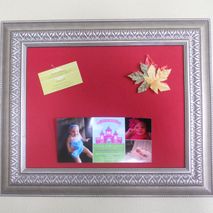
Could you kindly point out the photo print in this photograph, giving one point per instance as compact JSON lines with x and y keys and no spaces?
{"x":138,"y":140}
{"x":74,"y":140}
{"x":104,"y":140}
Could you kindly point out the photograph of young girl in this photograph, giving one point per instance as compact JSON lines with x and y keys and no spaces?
{"x":74,"y":140}
{"x":138,"y":129}
{"x":138,"y":140}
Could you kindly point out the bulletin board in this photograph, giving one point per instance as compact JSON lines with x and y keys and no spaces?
{"x":106,"y":91}
{"x":122,"y":105}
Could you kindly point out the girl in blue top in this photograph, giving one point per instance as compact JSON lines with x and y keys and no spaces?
{"x":75,"y":144}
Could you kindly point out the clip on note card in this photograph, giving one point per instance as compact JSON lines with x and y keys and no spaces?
{"x":151,"y":76}
{"x":60,"y":78}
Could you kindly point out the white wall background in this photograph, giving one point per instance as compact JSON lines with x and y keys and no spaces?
{"x":109,"y":9}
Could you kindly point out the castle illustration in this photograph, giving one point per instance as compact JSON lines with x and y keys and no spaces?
{"x":108,"y":137}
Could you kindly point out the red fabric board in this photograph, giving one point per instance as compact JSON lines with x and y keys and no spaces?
{"x":106,"y":91}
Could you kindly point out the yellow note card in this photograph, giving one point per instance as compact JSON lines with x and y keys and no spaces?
{"x":60,"y":78}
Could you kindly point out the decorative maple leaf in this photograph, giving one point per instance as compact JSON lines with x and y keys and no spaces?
{"x":155,"y":79}
{"x":151,"y":77}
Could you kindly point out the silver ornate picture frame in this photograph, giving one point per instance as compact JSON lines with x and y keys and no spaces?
{"x":193,"y":180}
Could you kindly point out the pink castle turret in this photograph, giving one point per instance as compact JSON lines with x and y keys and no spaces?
{"x":108,"y":137}
{"x":116,"y":139}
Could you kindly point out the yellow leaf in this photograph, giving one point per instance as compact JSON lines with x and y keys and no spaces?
{"x":151,"y":76}
{"x":155,"y":78}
